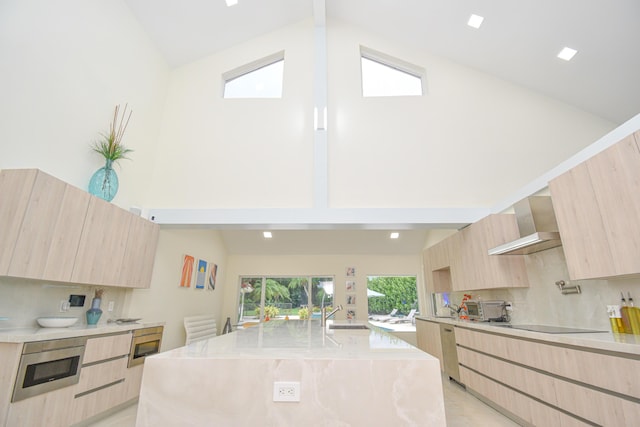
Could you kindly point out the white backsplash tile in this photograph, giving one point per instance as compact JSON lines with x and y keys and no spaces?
{"x":23,"y":301}
{"x":543,"y":303}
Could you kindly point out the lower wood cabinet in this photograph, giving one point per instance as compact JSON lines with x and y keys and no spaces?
{"x":550,"y":383}
{"x":428,"y":338}
{"x":105,"y":382}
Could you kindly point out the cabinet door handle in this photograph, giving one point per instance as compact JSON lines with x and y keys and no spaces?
{"x":448,"y":330}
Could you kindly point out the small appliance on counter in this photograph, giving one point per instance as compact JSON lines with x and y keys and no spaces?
{"x":487,"y":311}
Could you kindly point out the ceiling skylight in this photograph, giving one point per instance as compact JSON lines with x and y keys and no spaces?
{"x":231,"y":2}
{"x":475,"y":21}
{"x":394,"y":235}
{"x":567,"y":53}
{"x":267,"y":234}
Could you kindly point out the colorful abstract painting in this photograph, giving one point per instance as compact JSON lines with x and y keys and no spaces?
{"x":201,"y":274}
{"x":187,"y":271}
{"x":213,"y":271}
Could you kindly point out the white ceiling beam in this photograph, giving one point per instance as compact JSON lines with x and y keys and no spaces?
{"x":320,"y":219}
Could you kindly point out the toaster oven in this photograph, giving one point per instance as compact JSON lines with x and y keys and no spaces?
{"x":487,"y":311}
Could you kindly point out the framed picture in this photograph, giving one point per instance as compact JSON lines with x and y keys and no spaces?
{"x":351,"y":299}
{"x":351,"y":271}
{"x":187,"y":271}
{"x":201,"y":274}
{"x":351,"y":286}
{"x":211,"y":281}
{"x":351,"y":314}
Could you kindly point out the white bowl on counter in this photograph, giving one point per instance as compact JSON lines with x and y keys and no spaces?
{"x":56,"y":322}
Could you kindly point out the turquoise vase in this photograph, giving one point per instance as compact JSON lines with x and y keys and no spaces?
{"x":104,"y":182}
{"x":94,"y":313}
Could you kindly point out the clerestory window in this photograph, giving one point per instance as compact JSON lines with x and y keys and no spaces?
{"x":383,"y":75}
{"x":259,"y":79}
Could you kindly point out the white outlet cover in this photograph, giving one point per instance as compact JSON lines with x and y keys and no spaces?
{"x":286,"y":391}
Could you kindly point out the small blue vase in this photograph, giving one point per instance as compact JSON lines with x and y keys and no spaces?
{"x":94,"y":313}
{"x":104,"y":182}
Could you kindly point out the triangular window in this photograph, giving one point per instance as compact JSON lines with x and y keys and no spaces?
{"x":383,"y":75}
{"x":259,"y":79}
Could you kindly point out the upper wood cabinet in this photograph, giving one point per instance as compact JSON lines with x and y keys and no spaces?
{"x":597,"y":206}
{"x":50,"y":230}
{"x":461,"y":261}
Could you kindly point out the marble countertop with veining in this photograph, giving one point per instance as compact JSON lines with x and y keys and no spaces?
{"x":20,"y":335}
{"x":608,"y":341}
{"x":299,"y":339}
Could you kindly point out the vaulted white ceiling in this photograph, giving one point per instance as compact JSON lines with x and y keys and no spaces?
{"x":518,"y":41}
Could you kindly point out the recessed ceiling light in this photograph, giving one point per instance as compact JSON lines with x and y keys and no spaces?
{"x":567,"y":53}
{"x":267,"y":234}
{"x":475,"y":21}
{"x":394,"y":235}
{"x":231,"y":2}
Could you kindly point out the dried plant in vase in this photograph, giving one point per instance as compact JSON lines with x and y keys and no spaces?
{"x":104,"y":182}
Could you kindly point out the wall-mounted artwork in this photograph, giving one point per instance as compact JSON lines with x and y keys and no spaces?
{"x":351,"y":271}
{"x":351,"y":299}
{"x":351,"y":286}
{"x":213,"y":271}
{"x":351,"y":314}
{"x":201,"y":274}
{"x":187,"y":271}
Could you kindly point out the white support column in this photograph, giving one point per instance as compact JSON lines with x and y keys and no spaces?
{"x":320,"y":160}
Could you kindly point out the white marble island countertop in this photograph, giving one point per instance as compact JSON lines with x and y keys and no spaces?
{"x":301,"y":339}
{"x":345,"y":378}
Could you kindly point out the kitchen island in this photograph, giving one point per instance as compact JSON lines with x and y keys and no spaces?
{"x":346,"y":377}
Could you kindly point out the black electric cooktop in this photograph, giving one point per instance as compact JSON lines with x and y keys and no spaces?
{"x":550,"y":329}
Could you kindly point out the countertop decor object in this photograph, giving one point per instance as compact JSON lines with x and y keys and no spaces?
{"x":104,"y":182}
{"x":94,"y":313}
{"x":56,"y":322}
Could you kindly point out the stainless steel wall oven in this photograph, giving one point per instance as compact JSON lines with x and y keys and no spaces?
{"x":145,"y":342}
{"x":48,"y":365}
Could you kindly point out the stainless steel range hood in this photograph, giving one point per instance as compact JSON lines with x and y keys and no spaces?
{"x":537,"y":225}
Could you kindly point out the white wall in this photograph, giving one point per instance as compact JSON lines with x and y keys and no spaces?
{"x":65,"y":65}
{"x":471,"y":141}
{"x":320,"y":265}
{"x":245,"y":153}
{"x":165,"y":300}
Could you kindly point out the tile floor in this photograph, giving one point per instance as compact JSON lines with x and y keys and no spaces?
{"x":462,"y":410}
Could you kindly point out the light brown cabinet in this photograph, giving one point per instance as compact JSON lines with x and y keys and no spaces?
{"x":103,"y":376}
{"x":428,"y":338}
{"x":550,"y":383}
{"x":461,"y":261}
{"x":597,"y":205}
{"x":50,"y":230}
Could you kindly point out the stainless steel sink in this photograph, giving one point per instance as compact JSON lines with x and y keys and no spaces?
{"x":347,"y":326}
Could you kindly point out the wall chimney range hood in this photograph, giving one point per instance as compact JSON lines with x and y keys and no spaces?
{"x":537,"y":225}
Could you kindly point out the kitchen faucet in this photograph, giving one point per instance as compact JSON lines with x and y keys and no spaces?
{"x":324,"y":317}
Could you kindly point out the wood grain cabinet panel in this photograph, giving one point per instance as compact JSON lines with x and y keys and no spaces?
{"x":50,"y":231}
{"x":102,"y":244}
{"x":140,"y":253}
{"x":590,"y":385}
{"x":428,"y":338}
{"x":15,"y":191}
{"x":106,"y":347}
{"x":597,"y":205}
{"x":461,"y":262}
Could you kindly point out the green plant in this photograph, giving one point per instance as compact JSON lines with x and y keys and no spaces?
{"x":303,"y":313}
{"x":110,"y":146}
{"x":269,"y":311}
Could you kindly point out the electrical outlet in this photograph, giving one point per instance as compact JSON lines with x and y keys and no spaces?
{"x":64,"y":306}
{"x":111,"y":305}
{"x":286,"y":391}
